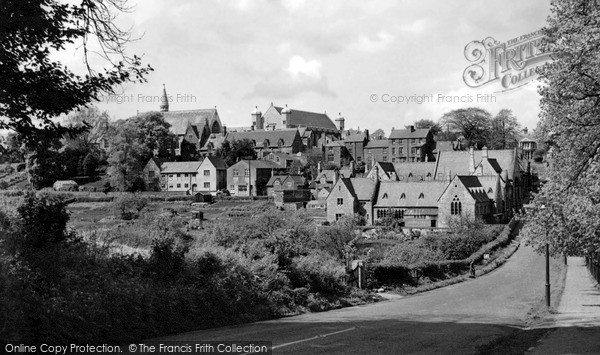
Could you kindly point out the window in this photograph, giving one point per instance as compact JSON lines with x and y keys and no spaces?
{"x":385,"y":150}
{"x":393,"y":150}
{"x":178,"y":175}
{"x":207,"y":185}
{"x":399,"y":150}
{"x":385,"y":196}
{"x":340,"y":201}
{"x":385,"y":158}
{"x":236,"y":173}
{"x":246,"y":172}
{"x":421,"y":196}
{"x":185,"y":175}
{"x":330,"y":157}
{"x":338,"y":216}
{"x":170,"y":176}
{"x":403,"y":196}
{"x":105,"y":144}
{"x":151,"y":174}
{"x":277,"y":159}
{"x":358,"y":159}
{"x":455,"y":206}
{"x":178,"y":186}
{"x":242,"y":188}
{"x":170,"y":186}
{"x":186,"y":185}
{"x":490,"y":191}
{"x":276,"y":183}
{"x":231,"y":187}
{"x":206,"y":172}
{"x":289,"y":184}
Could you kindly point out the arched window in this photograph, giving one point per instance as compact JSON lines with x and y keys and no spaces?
{"x":385,"y":196}
{"x":490,"y":190}
{"x":403,"y":196}
{"x":421,"y":195}
{"x":455,"y":206}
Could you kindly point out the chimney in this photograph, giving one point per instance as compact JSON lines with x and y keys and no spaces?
{"x":352,"y":167}
{"x":411,"y":128}
{"x":367,"y":135}
{"x":319,"y":167}
{"x":471,"y":160}
{"x":286,"y":114}
{"x":224,"y":130}
{"x":484,"y":153}
{"x":375,"y":173}
{"x":449,"y":175}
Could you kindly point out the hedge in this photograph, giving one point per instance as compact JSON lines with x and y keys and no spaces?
{"x":387,"y":274}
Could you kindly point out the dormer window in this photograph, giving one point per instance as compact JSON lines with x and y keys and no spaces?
{"x":421,"y":196}
{"x":385,"y":196}
{"x":403,"y":196}
{"x":490,"y":190}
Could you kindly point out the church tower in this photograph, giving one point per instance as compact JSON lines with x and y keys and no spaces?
{"x":164,"y":101}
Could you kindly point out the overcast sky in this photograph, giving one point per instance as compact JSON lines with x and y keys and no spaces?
{"x":323,"y":56}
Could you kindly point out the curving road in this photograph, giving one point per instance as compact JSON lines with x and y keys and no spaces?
{"x":463,"y":318}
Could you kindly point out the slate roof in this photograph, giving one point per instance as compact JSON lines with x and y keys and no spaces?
{"x":335,"y":144}
{"x":458,"y":161}
{"x":407,"y":133}
{"x":258,"y":164}
{"x":348,"y":185}
{"x":180,"y":167}
{"x":364,"y":189}
{"x":309,"y":119}
{"x":329,"y":175}
{"x":444,"y":146}
{"x":474,"y":186}
{"x":378,"y":143}
{"x":217,"y":162}
{"x":416,"y":194}
{"x":287,"y":135}
{"x":417,"y":170}
{"x":355,"y":137}
{"x":179,"y":119}
{"x":298,"y":179}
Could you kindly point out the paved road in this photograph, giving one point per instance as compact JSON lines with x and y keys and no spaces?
{"x":463,"y":318}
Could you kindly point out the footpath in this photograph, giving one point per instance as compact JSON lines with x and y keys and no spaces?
{"x":577,"y":319}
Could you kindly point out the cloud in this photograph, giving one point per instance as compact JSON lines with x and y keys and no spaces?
{"x":299,"y":67}
{"x":365,"y":44}
{"x":301,"y":76}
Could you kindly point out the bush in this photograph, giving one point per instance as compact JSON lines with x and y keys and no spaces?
{"x":129,"y":206}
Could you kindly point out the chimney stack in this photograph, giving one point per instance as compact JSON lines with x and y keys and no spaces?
{"x":471,"y":160}
{"x":484,"y":153}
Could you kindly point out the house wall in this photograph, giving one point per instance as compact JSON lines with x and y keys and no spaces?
{"x":178,"y":181}
{"x":348,"y":206}
{"x":467,"y":202}
{"x":151,"y":175}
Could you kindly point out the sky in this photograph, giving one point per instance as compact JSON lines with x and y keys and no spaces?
{"x":340,"y":57}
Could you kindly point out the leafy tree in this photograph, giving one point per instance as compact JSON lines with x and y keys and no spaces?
{"x":44,"y":164}
{"x":36,"y":88}
{"x":472,"y":122}
{"x":505,"y":131}
{"x":90,"y":163}
{"x":565,"y":212}
{"x":132,"y":143}
{"x":425,"y":123}
{"x":232,"y":151}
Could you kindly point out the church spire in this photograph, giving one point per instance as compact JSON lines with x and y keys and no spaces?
{"x":164,"y":101}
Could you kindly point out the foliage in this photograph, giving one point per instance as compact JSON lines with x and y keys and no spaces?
{"x":129,"y":206}
{"x":505,"y":131}
{"x":425,"y":123}
{"x":38,"y":88}
{"x":472,"y":122}
{"x":43,"y":164}
{"x":90,"y":164}
{"x":232,"y":151}
{"x":565,"y":212}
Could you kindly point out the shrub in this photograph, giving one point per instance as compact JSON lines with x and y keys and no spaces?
{"x":319,"y":273}
{"x":129,"y":206}
{"x":410,"y":253}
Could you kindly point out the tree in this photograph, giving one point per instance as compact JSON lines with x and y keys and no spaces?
{"x":44,"y":164}
{"x":565,"y":211}
{"x":233,"y":151}
{"x":36,"y":89}
{"x":472,"y":122}
{"x":505,"y":131}
{"x":132,"y":143}
{"x":91,"y":117}
{"x":425,"y":123}
{"x":90,"y":163}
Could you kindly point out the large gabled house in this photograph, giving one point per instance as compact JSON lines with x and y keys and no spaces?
{"x":250,"y":177}
{"x":285,"y":183}
{"x":282,"y":141}
{"x":208,"y":175}
{"x":350,"y":196}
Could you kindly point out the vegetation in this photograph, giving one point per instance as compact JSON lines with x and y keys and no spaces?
{"x":232,"y":152}
{"x":565,"y":212}
{"x":76,"y":287}
{"x":41,"y":89}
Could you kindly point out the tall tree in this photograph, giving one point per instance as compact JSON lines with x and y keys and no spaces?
{"x":505,"y":131}
{"x":92,"y":118}
{"x":36,"y":88}
{"x":233,"y":151}
{"x":472,"y":122}
{"x":566,"y":210}
{"x":425,"y":123}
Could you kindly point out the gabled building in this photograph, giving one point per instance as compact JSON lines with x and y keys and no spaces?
{"x":285,"y":183}
{"x":317,"y":128}
{"x":464,"y":198}
{"x":351,"y":196}
{"x":411,"y":145}
{"x":355,"y":144}
{"x":179,"y":176}
{"x":212,"y":175}
{"x":250,"y":177}
{"x":266,"y":141}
